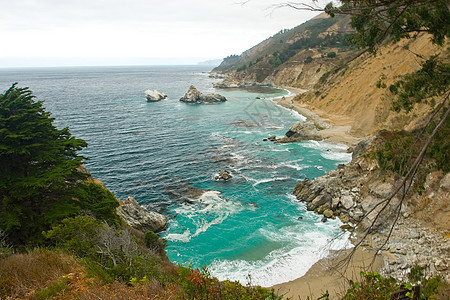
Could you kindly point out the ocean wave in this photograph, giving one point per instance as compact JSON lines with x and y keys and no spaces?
{"x":207,"y":210}
{"x":265,"y":180}
{"x":284,"y":264}
{"x":337,"y":152}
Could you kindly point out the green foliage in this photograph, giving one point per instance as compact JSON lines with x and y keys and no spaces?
{"x":241,"y":68}
{"x":78,"y":235}
{"x":39,"y":181}
{"x":199,"y":284}
{"x":439,"y":149}
{"x":373,"y":286}
{"x":116,"y":251}
{"x":308,"y":60}
{"x":376,"y":21}
{"x":331,"y":54}
{"x":432,"y":80}
{"x":324,"y":77}
{"x":154,"y":242}
{"x":52,"y":290}
{"x":398,"y":150}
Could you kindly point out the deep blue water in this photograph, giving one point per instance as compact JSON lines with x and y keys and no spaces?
{"x":158,"y":152}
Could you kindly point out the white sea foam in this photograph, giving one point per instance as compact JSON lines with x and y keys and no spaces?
{"x":280,"y":150}
{"x":292,"y":111}
{"x":330,"y":151}
{"x":208,"y":205}
{"x":179,"y":237}
{"x":283,"y":264}
{"x":269,"y":180}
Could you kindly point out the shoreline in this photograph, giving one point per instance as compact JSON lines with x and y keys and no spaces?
{"x":336,"y":129}
{"x":329,"y":273}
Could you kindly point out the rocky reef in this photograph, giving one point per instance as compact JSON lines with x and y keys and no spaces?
{"x":195,"y":96}
{"x":154,"y":96}
{"x":139,"y":218}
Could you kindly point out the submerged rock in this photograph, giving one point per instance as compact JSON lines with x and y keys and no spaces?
{"x":153,"y":95}
{"x":139,"y":218}
{"x":195,"y":96}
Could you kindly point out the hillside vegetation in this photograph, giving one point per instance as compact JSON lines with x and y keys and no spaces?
{"x":291,"y":57}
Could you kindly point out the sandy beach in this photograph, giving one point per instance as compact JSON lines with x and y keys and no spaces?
{"x":339,"y":126}
{"x":331,"y":273}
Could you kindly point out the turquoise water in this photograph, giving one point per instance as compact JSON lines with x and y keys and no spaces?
{"x":159,"y":152}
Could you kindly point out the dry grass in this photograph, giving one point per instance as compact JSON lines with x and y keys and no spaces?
{"x":121,"y":291}
{"x":23,"y":274}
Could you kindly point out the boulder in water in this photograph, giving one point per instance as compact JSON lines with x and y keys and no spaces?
{"x":153,"y":95}
{"x":224,"y":175}
{"x":195,"y":96}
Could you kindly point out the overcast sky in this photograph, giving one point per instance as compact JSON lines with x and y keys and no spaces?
{"x":124,"y":32}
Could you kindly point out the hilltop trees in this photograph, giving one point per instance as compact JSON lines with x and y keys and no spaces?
{"x":39,"y":181}
{"x":376,"y":21}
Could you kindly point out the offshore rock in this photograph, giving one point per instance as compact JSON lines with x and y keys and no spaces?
{"x":153,"y":95}
{"x":195,"y":96}
{"x":301,"y":131}
{"x":224,"y":175}
{"x":139,"y":218}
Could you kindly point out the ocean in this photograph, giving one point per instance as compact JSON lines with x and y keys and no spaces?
{"x":166,"y":155}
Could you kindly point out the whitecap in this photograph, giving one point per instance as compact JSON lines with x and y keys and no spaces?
{"x":269,"y":180}
{"x":281,"y":265}
{"x":184,"y":237}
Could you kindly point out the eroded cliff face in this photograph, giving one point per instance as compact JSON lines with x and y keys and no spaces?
{"x":358,"y":90}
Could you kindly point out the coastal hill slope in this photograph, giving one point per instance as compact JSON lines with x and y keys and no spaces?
{"x":339,"y":82}
{"x":298,"y":57}
{"x":348,"y":90}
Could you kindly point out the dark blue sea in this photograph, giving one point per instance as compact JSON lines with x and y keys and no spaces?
{"x":166,"y":153}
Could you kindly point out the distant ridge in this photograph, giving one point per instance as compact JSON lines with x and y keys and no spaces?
{"x":211,"y":62}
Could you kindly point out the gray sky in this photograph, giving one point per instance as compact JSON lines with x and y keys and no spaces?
{"x":121,"y":32}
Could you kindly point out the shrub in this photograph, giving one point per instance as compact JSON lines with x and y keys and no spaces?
{"x":199,"y":284}
{"x":154,"y":242}
{"x":331,"y":54}
{"x":373,"y":286}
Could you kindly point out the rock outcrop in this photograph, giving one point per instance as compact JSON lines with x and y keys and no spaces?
{"x":153,"y":95}
{"x":356,"y":193}
{"x":301,"y":131}
{"x":224,"y":175}
{"x":195,"y":96}
{"x":139,"y":218}
{"x":351,"y":192}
